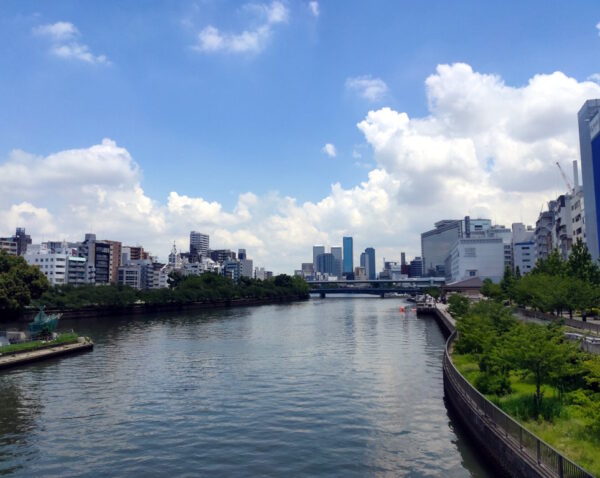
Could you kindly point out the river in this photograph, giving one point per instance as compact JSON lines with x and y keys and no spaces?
{"x":327,"y":387}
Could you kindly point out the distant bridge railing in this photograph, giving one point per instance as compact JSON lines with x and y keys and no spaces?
{"x":517,"y":436}
{"x":415,"y":282}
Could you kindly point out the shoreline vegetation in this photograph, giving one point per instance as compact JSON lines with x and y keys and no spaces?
{"x":532,"y":371}
{"x":23,"y":286}
{"x":29,"y":346}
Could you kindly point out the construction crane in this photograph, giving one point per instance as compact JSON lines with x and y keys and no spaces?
{"x":564,"y":176}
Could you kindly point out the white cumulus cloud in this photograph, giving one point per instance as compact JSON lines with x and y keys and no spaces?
{"x":372,"y":89}
{"x":253,"y":40}
{"x":485,"y":148}
{"x":313,"y":6}
{"x":329,"y":150}
{"x":63,"y":37}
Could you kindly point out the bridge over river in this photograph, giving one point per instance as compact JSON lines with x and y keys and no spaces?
{"x":380,"y":287}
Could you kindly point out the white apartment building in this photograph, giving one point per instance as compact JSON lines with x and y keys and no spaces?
{"x":52,"y":264}
{"x":481,"y":257}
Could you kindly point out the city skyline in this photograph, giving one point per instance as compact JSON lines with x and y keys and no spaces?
{"x":109,"y":143}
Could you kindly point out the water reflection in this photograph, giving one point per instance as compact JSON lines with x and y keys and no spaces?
{"x":330,"y":387}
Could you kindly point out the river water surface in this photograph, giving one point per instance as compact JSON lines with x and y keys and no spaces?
{"x":328,"y":387}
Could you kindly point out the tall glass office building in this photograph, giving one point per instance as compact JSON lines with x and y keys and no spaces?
{"x":589,"y":144}
{"x":436,"y":245}
{"x":348,"y":255}
{"x":370,"y":263}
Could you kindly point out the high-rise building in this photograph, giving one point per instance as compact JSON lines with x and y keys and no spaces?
{"x":115,"y":260}
{"x":102,"y":261}
{"x":336,"y":252}
{"x":370,"y":270}
{"x":325,"y":263}
{"x":347,"y":243}
{"x":317,"y":251}
{"x":436,"y":245}
{"x":241,"y":254}
{"x":589,"y":144}
{"x":416,"y":267}
{"x":198,"y":245}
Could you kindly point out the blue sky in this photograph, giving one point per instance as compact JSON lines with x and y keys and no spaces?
{"x":218,"y":123}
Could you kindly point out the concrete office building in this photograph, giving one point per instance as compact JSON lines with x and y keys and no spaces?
{"x":589,"y":144}
{"x":544,"y":230}
{"x":481,"y":257}
{"x":416,"y":267}
{"x":348,"y":244}
{"x":199,"y":245}
{"x":523,"y":244}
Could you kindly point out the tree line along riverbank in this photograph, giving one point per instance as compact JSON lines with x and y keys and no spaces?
{"x":533,"y":373}
{"x":22,"y":285}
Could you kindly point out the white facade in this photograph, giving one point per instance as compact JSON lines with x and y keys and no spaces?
{"x":52,"y":264}
{"x":476,"y":257}
{"x":199,"y":243}
{"x":524,"y":248}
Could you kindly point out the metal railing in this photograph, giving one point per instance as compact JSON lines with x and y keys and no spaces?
{"x":577,"y":324}
{"x":517,"y":436}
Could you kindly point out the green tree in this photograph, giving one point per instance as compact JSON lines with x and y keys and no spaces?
{"x":458,"y":305}
{"x":507,"y":283}
{"x":20,"y":283}
{"x":491,"y":290}
{"x":539,"y":352}
{"x":434,"y":292}
{"x":580,"y":264}
{"x":554,"y":265}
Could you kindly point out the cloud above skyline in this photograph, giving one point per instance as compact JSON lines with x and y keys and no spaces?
{"x":64,"y":43}
{"x":484,"y":148}
{"x":313,"y":6}
{"x":369,"y":88}
{"x":252,"y":40}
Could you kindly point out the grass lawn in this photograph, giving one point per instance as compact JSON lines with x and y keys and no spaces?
{"x":561,"y":425}
{"x":67,"y":338}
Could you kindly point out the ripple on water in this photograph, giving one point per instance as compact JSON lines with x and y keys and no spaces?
{"x":343,"y":387}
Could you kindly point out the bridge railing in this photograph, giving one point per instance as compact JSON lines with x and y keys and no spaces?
{"x":522,"y":439}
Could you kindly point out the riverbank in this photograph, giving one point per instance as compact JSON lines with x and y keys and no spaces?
{"x":45,"y":353}
{"x":142,"y":309}
{"x":511,"y":446}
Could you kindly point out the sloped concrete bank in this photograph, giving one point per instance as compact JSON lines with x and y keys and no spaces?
{"x":22,"y":358}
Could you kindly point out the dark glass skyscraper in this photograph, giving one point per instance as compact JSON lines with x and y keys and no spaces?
{"x":348,"y":255}
{"x":370,"y":263}
{"x":589,"y":144}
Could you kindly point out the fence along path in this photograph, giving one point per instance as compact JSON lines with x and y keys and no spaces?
{"x":551,"y":462}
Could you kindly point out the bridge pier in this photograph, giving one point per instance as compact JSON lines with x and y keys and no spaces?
{"x":322,"y":294}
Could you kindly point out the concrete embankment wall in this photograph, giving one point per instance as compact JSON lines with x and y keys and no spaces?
{"x":142,"y":309}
